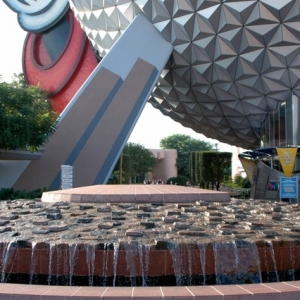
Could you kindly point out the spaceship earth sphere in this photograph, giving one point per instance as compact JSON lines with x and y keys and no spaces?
{"x":232,"y":61}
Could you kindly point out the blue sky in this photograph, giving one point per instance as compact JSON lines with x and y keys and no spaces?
{"x":151,"y":127}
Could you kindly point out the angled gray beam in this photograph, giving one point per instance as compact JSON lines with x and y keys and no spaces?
{"x":97,"y":123}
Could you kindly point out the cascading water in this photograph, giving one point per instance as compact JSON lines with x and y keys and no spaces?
{"x":236,"y":262}
{"x":33,"y":262}
{"x":248,"y":262}
{"x":90,"y":261}
{"x":175,"y":253}
{"x":273,"y":273}
{"x":144,"y":251}
{"x":72,"y":260}
{"x":8,"y":255}
{"x":254,"y":262}
{"x":115,"y":262}
{"x":202,"y":256}
{"x":50,"y":272}
{"x":225,"y":269}
{"x":131,"y":250}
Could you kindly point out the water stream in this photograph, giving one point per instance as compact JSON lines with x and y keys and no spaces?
{"x":90,"y":261}
{"x":202,"y":253}
{"x":236,"y":262}
{"x":50,"y":271}
{"x":8,"y":256}
{"x":176,"y":257}
{"x":274,"y":269}
{"x":115,"y":262}
{"x":33,"y":263}
{"x":72,"y":260}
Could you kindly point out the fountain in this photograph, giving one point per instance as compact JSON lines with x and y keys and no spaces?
{"x":153,"y":244}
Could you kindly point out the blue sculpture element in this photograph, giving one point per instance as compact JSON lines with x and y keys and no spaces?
{"x":38,"y":15}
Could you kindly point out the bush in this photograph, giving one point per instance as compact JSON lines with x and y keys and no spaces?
{"x":242,"y":182}
{"x":238,"y":182}
{"x":6,"y":194}
{"x":11,"y":194}
{"x":246,"y":183}
{"x":231,"y":184}
{"x":179,"y":180}
{"x":114,"y":179}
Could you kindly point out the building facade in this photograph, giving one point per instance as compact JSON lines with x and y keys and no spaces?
{"x":166,"y":166}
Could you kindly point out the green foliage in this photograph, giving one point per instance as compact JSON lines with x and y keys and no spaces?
{"x":11,"y":194}
{"x":242,"y":182}
{"x":136,"y":161}
{"x":184,"y":145}
{"x":26,"y":118}
{"x":246,"y":184}
{"x":238,"y":182}
{"x":114,"y":179}
{"x":210,"y":168}
{"x":179,"y":180}
{"x":231,"y":184}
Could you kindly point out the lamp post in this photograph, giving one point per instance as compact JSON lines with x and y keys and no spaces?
{"x":120,"y":168}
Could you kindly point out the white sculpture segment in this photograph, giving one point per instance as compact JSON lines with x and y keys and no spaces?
{"x":38,"y":15}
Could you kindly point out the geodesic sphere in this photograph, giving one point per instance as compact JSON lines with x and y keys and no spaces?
{"x":233,"y":61}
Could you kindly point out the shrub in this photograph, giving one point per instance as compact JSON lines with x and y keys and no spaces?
{"x":6,"y":193}
{"x":179,"y":180}
{"x":238,"y":182}
{"x":11,"y":194}
{"x":246,"y":183}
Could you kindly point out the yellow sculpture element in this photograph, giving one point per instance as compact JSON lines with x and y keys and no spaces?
{"x":287,"y":158}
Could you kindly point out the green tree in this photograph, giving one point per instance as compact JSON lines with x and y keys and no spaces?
{"x":137,"y":160}
{"x":241,"y":181}
{"x":214,"y":166}
{"x":184,"y":145}
{"x":26,"y":117}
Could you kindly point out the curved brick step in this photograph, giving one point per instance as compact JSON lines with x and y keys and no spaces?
{"x":280,"y":290}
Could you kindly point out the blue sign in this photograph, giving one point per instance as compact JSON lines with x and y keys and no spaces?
{"x":289,"y":187}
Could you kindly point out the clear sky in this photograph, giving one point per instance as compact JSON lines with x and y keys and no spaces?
{"x":152,"y":125}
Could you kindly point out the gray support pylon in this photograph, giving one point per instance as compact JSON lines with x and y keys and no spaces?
{"x":97,"y":123}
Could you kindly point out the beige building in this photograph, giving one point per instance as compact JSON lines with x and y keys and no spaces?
{"x":236,"y":165}
{"x":166,"y":166}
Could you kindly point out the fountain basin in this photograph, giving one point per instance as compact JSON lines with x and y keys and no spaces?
{"x":134,"y":243}
{"x":256,"y":222}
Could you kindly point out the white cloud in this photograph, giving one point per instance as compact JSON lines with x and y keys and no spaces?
{"x":12,"y":39}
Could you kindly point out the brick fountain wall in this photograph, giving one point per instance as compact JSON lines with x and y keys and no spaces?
{"x":188,"y":243}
